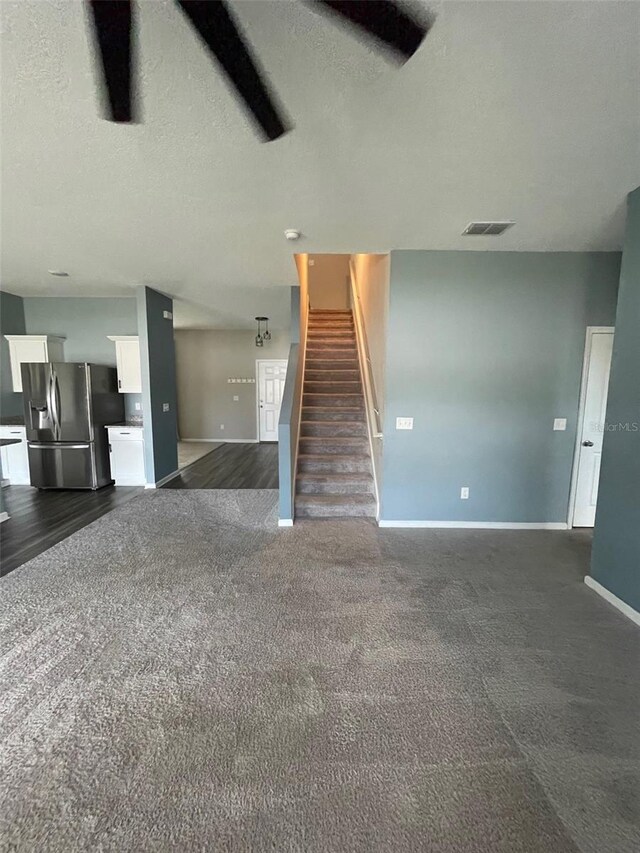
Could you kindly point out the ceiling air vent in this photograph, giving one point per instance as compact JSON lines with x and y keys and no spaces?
{"x":487,"y":229}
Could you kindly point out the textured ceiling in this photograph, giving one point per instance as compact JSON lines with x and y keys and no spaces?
{"x":519,"y":110}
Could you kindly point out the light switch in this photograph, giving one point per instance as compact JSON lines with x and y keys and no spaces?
{"x":221,"y":426}
{"x":165,"y":407}
{"x":464,"y":493}
{"x":404,"y":423}
{"x":167,"y":315}
{"x":138,"y":407}
{"x":236,"y":398}
{"x":560,"y":423}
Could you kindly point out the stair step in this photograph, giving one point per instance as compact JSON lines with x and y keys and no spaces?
{"x":331,"y":375}
{"x":315,"y":386}
{"x":331,"y":329}
{"x":320,"y":445}
{"x":313,"y":363}
{"x":330,"y":324}
{"x":330,"y":312}
{"x":311,"y":463}
{"x":332,"y":400}
{"x":327,"y":354}
{"x":353,"y":483}
{"x":336,"y":344}
{"x":324,"y":413}
{"x":332,"y":429}
{"x":335,"y":506}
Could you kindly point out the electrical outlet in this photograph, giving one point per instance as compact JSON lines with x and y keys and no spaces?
{"x":138,"y":406}
{"x":165,"y":407}
{"x":560,"y":423}
{"x":221,"y":426}
{"x":235,"y":398}
{"x":404,"y":423}
{"x":464,"y":493}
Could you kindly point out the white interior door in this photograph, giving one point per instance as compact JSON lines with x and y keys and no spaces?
{"x":271,"y":376}
{"x":592,"y":428}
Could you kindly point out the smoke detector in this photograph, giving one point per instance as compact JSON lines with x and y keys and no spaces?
{"x":487,"y":229}
{"x":292,"y":234}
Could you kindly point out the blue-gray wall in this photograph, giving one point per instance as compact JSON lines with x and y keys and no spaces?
{"x":158,"y":363}
{"x":85,"y":322}
{"x":12,"y":322}
{"x":484,"y":350}
{"x":616,"y":543}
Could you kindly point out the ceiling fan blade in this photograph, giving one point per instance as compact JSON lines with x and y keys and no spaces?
{"x":216,"y":27}
{"x":112,"y":24}
{"x":384,"y":20}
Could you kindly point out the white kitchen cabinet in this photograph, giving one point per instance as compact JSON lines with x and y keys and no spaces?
{"x":15,"y":457}
{"x":126,"y":455}
{"x":30,"y":348}
{"x":128,"y":363}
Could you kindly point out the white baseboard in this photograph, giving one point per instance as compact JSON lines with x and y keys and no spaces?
{"x":164,"y":480}
{"x":618,"y":603}
{"x":285,"y":522}
{"x":221,"y":440}
{"x":4,"y":516}
{"x":478,"y":525}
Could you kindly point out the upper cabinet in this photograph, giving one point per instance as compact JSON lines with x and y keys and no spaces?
{"x":31,"y":348}
{"x":128,"y":363}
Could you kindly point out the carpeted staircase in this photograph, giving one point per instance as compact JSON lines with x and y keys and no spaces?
{"x":334,"y":476}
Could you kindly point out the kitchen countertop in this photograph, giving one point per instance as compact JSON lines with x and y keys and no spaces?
{"x":4,"y":442}
{"x":126,"y":424}
{"x":12,"y":420}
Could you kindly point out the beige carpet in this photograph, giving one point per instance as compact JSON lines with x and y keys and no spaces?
{"x":182,"y":675}
{"x":191,"y":451}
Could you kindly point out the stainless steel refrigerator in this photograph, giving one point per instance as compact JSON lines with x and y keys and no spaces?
{"x":66,"y":407}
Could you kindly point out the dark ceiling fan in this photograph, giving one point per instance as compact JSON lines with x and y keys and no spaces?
{"x":113,"y":23}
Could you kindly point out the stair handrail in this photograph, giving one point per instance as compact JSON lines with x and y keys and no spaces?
{"x":374,"y":425}
{"x":363,"y":351}
{"x":290,"y":417}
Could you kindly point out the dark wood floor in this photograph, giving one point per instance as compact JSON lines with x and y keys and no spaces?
{"x":232,"y":466}
{"x":41,"y":519}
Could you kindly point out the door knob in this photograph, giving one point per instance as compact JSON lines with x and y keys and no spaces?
{"x":587,"y":444}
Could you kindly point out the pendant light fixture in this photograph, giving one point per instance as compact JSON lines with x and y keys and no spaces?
{"x":262,"y":337}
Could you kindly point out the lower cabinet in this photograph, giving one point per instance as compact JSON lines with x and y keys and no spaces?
{"x":126,"y":455}
{"x":15,"y":457}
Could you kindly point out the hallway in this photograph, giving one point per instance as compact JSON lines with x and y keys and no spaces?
{"x":232,"y":466}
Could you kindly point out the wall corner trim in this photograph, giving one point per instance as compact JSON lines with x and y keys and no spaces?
{"x":285,"y":522}
{"x":477,"y":525}
{"x":164,"y":480}
{"x":612,"y":599}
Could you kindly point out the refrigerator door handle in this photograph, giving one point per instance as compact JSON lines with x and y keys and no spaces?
{"x":51,"y":445}
{"x":56,"y":404}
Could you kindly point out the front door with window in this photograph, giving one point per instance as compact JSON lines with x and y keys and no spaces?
{"x":271,"y":377}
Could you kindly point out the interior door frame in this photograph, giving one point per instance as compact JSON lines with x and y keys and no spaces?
{"x":260,"y":361}
{"x":591,"y":331}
